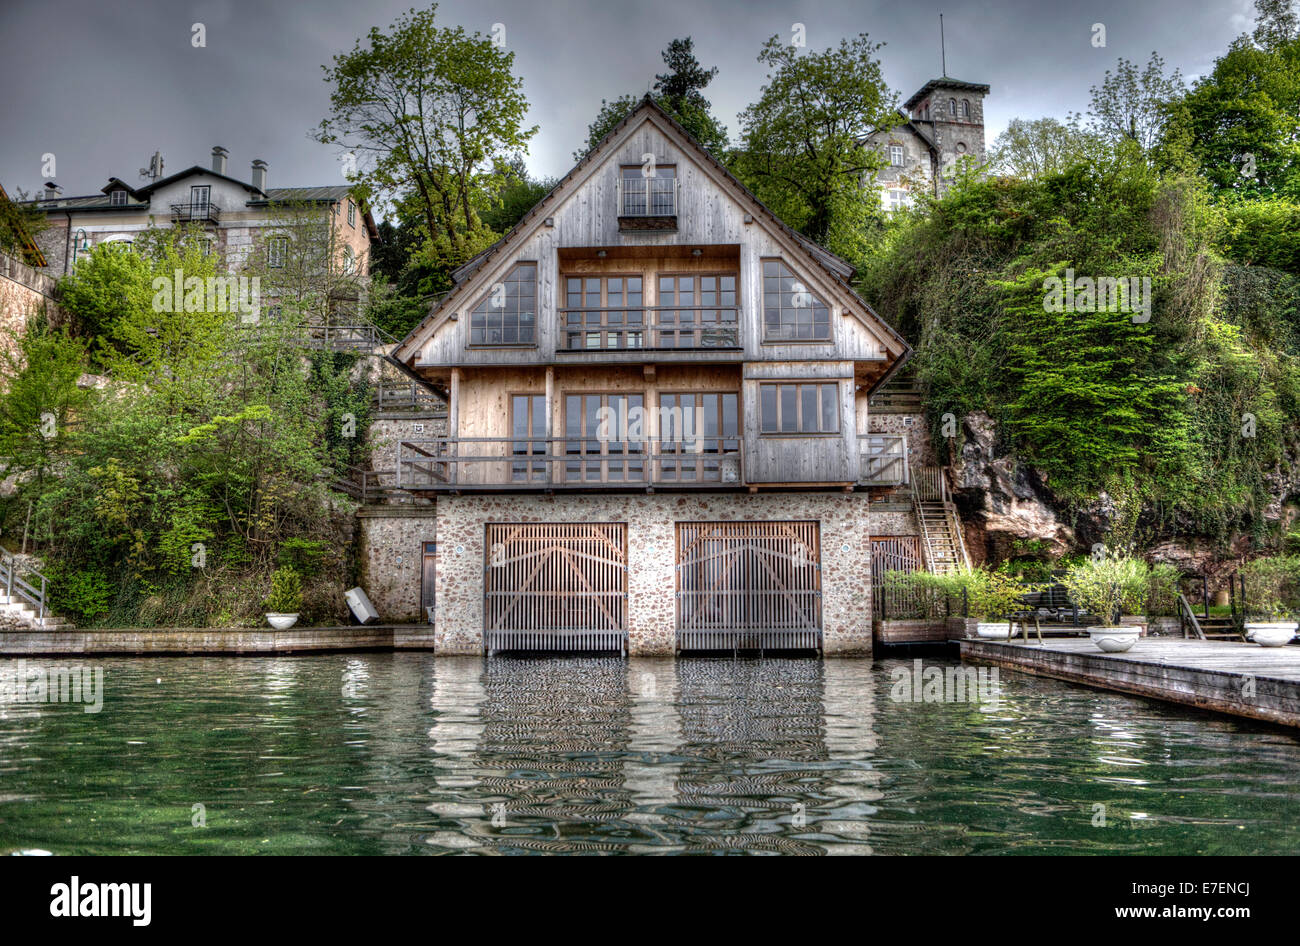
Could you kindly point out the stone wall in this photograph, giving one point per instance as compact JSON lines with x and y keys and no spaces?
{"x":846,"y":576}
{"x":23,"y":291}
{"x":391,"y":553}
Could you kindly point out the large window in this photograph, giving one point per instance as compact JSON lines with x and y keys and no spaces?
{"x":603,"y":312}
{"x":507,"y":313}
{"x":528,"y":420}
{"x":697,"y":311}
{"x":603,"y":437}
{"x":695,"y":431}
{"x":804,"y":408}
{"x":791,"y":311}
{"x":896,"y":155}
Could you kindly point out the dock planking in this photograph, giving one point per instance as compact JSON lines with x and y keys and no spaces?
{"x":1230,"y":677}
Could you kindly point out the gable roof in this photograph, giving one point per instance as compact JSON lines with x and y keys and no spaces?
{"x":838,"y":269}
{"x":196,"y":169}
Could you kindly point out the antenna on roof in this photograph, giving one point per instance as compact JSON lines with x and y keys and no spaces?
{"x":943,"y":52}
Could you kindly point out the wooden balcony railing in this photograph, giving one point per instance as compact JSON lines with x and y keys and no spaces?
{"x":567,"y":463}
{"x":650,"y":327}
{"x":883,"y":460}
{"x":196,"y":213}
{"x":407,"y":396}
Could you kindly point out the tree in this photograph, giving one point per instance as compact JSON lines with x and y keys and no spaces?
{"x":1034,"y":148}
{"x":679,"y":92}
{"x":1240,"y":125}
{"x":1132,"y":104}
{"x":429,"y":111}
{"x":805,"y":151}
{"x":1276,"y":23}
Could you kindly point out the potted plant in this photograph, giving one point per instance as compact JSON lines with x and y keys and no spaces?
{"x":285,"y":599}
{"x":1268,"y":585}
{"x":992,"y":597}
{"x":1105,"y":588}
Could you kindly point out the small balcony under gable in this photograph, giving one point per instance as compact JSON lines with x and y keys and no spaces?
{"x":647,"y":197}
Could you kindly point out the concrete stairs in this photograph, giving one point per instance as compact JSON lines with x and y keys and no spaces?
{"x":17,"y":612}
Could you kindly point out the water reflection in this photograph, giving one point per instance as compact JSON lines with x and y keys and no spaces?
{"x":404,"y":753}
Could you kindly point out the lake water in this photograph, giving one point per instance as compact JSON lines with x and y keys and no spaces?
{"x":404,"y":753}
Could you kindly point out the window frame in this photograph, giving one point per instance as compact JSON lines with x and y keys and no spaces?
{"x":117,"y":198}
{"x":524,"y":468}
{"x":902,"y":156}
{"x":820,"y":384}
{"x":483,"y":297}
{"x":817,"y":294}
{"x":352,"y":213}
{"x":622,"y":193}
{"x":281,"y":241}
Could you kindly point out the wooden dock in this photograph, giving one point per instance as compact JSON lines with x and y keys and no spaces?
{"x":1240,"y":679}
{"x":260,"y":641}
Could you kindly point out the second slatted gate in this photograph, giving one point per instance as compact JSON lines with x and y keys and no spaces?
{"x":749,"y":586}
{"x":555,"y":586}
{"x":899,"y":553}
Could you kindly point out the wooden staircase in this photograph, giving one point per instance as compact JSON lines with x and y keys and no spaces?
{"x":943,"y":546}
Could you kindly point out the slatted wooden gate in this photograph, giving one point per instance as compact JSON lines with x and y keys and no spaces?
{"x":895,"y":553}
{"x":558,"y":586}
{"x":749,"y":586}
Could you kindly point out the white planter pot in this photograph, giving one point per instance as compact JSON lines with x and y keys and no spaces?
{"x":993,"y":631}
{"x":1270,"y":634}
{"x":282,"y":622}
{"x":1114,"y":640}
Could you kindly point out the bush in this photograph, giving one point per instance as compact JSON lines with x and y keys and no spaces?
{"x":286,"y":591}
{"x":80,"y":593}
{"x":983,"y":594}
{"x":1162,"y":591}
{"x":1272,"y":587}
{"x":1109,"y":587}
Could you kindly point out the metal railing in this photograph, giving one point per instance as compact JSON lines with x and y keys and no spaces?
{"x":567,"y":462}
{"x":659,"y":327}
{"x":195,"y":212}
{"x":647,"y":196}
{"x":407,"y":396}
{"x":19,"y":580}
{"x":883,"y":460}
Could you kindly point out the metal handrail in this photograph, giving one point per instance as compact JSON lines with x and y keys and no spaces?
{"x":722,"y":333}
{"x":9,"y":568}
{"x":189,"y":211}
{"x":550,"y":461}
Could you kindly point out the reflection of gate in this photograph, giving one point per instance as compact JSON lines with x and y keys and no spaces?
{"x":900,"y":553}
{"x":748,"y":585}
{"x":555,"y":586}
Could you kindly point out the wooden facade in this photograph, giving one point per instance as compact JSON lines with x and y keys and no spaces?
{"x":656,"y":333}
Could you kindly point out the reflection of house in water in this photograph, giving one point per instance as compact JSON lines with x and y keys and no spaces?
{"x":754,"y":732}
{"x":550,"y":755}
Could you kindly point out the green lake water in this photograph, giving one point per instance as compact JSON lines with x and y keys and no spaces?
{"x":407,"y":754}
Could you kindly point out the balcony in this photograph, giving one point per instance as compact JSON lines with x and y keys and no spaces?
{"x":474,"y":463}
{"x":883,"y":460}
{"x":195,"y":212}
{"x":647,"y":203}
{"x":697,"y":328}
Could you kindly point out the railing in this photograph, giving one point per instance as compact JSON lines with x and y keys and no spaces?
{"x":342,"y":337}
{"x":681,"y":327}
{"x":194,"y":212}
{"x":12,"y":579}
{"x":365,"y":486}
{"x":647,"y":197}
{"x":566,"y":462}
{"x":407,"y":396}
{"x":883,"y":460}
{"x":929,"y":484}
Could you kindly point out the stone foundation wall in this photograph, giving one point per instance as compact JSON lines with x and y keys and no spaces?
{"x":391,"y":555}
{"x":23,"y":292}
{"x":460,"y":532}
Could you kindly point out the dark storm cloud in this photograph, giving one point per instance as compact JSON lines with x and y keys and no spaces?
{"x":102,"y":85}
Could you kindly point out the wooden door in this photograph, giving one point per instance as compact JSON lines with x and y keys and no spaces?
{"x":748,"y":585}
{"x":555,"y":586}
{"x":427,"y":575}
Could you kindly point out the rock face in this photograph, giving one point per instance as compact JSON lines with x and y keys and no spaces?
{"x":1002,"y":502}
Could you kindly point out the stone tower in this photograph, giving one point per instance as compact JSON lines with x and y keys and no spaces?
{"x":950,"y":113}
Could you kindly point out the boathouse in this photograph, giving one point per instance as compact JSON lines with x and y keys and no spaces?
{"x":658,"y":432}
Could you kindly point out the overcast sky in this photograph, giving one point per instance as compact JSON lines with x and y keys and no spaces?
{"x":102,"y":84}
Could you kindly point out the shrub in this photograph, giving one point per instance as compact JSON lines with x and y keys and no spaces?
{"x":1272,"y":587}
{"x":1109,"y":587}
{"x":1162,"y":591}
{"x":83,"y":594}
{"x":286,"y":591}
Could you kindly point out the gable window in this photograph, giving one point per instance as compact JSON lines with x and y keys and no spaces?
{"x":791,"y":311}
{"x":117,"y":198}
{"x":645,"y":195}
{"x":896,"y":155}
{"x":352,"y":213}
{"x":807,"y":408}
{"x":277,"y":252}
{"x":507,"y":312}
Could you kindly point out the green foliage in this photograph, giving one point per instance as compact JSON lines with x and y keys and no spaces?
{"x":1162,"y":590}
{"x":987,"y":595}
{"x":1272,"y":587}
{"x":804,"y":152}
{"x":81,"y":594}
{"x":286,"y":591}
{"x":305,"y":556}
{"x":1109,"y":586}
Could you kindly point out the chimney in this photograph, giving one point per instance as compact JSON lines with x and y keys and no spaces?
{"x":259,"y":175}
{"x":52,"y":191}
{"x":219,"y":159}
